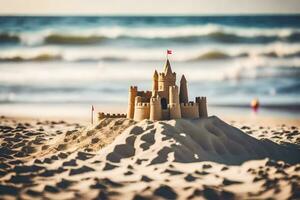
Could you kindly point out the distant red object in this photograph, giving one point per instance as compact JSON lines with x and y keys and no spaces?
{"x":255,"y":104}
{"x":169,"y":51}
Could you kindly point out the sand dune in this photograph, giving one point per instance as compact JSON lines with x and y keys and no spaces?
{"x":122,"y":159}
{"x":187,"y":141}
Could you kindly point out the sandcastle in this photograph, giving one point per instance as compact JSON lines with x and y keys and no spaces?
{"x":164,"y":102}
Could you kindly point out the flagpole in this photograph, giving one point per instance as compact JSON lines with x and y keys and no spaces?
{"x":92,"y":114}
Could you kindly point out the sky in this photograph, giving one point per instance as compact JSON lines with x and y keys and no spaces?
{"x":147,"y":7}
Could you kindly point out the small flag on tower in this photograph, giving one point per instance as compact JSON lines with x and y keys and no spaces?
{"x":169,"y":51}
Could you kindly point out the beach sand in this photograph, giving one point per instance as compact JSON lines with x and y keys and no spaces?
{"x":175,"y":159}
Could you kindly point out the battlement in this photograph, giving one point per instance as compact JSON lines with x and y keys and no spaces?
{"x":144,"y":93}
{"x":189,"y":110}
{"x":190,"y":104}
{"x":102,"y":115}
{"x":155,"y":99}
{"x":198,"y":99}
{"x":133,"y":88}
{"x":140,"y":105}
{"x":163,"y":76}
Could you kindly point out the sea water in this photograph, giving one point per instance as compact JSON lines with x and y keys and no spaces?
{"x":93,"y":60}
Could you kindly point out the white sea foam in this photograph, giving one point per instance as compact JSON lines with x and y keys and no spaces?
{"x":92,"y":53}
{"x":38,"y":37}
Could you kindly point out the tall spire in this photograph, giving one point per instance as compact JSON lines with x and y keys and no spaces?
{"x":155,"y":75}
{"x":183,"y":94}
{"x":183,"y":79}
{"x":155,"y":84}
{"x":168,"y":69}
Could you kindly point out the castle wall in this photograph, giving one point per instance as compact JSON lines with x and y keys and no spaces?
{"x":165,"y":114}
{"x":102,"y":115}
{"x":164,"y":94}
{"x":131,"y":101}
{"x":189,"y":110}
{"x":202,"y":106}
{"x":145,"y":95}
{"x":155,"y":109}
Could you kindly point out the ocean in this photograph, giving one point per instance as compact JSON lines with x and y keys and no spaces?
{"x":93,"y":60}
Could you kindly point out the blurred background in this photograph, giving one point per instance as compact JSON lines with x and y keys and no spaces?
{"x":61,"y":65}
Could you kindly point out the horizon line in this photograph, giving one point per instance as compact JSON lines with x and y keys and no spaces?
{"x":142,"y":15}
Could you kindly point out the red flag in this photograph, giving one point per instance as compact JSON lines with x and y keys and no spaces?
{"x":169,"y":51}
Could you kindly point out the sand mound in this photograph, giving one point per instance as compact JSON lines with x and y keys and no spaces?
{"x":138,"y":164}
{"x":187,"y":141}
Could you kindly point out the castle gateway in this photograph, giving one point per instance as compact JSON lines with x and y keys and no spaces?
{"x":165,"y":101}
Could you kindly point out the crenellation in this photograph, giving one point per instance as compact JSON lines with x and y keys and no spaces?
{"x":200,"y":99}
{"x":189,"y":104}
{"x":144,"y":93}
{"x":102,"y":115}
{"x":134,"y":88}
{"x":141,"y":104}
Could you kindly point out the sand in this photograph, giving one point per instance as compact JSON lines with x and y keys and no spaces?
{"x":122,"y":159}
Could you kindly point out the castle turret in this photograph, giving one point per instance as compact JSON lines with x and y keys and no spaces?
{"x":165,"y":80}
{"x":141,"y":109}
{"x":131,"y":101}
{"x":202,"y":106}
{"x":155,"y":109}
{"x":155,"y":84}
{"x":183,"y":94}
{"x":174,"y":105}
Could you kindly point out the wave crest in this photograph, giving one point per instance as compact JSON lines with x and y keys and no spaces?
{"x":72,"y":39}
{"x":95,"y":54}
{"x":203,"y":33}
{"x":37,"y":58}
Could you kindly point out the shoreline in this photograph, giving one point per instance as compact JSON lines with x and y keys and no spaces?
{"x":240,"y":119}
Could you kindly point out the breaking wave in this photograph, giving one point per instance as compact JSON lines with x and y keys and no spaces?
{"x":72,"y":39}
{"x":113,"y":55}
{"x":204,"y":33}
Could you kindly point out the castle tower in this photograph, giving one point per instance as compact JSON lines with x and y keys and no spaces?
{"x":174,"y":105}
{"x":155,"y":108}
{"x":141,"y":109}
{"x":131,"y":101}
{"x":202,"y":106}
{"x":183,"y":94}
{"x":155,"y":84}
{"x":167,"y":78}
